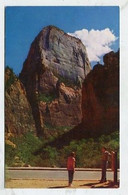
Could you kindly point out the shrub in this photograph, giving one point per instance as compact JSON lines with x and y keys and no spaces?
{"x":48,"y":98}
{"x":12,"y":78}
{"x":26,"y":145}
{"x":51,"y":154}
{"x":68,"y":82}
{"x":10,"y":153}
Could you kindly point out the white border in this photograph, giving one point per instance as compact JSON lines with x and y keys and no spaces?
{"x":123,"y":4}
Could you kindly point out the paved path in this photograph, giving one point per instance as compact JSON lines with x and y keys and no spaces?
{"x":57,"y":174}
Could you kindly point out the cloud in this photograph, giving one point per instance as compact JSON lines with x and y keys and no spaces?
{"x":97,"y":42}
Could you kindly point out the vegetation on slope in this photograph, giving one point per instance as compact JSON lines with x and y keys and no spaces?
{"x":88,"y":151}
{"x":11,"y":78}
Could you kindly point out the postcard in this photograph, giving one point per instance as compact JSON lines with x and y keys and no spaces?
{"x":63,"y":106}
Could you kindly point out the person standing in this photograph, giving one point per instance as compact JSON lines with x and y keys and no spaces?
{"x":71,"y":168}
{"x":105,"y":155}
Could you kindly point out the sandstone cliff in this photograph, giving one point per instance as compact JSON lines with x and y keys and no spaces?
{"x":18,"y":114}
{"x":100,"y":103}
{"x":100,"y":96}
{"x":52,"y":74}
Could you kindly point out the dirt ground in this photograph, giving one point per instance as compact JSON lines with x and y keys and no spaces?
{"x":34,"y":183}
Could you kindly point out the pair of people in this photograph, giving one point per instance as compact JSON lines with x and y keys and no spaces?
{"x":105,"y":156}
{"x":71,"y":166}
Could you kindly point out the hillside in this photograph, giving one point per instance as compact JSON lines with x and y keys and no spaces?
{"x":18,"y":113}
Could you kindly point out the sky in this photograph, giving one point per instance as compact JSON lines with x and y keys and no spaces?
{"x":96,"y":26}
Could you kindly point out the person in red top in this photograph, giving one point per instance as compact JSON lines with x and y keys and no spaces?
{"x":71,"y":167}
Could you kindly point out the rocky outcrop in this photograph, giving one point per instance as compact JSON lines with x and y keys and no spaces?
{"x":100,"y":96}
{"x":52,"y":74}
{"x":100,"y":103}
{"x":18,"y":114}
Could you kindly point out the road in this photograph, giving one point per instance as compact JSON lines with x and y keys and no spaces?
{"x":57,"y":174}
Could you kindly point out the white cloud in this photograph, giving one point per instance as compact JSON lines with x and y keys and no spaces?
{"x":97,"y":42}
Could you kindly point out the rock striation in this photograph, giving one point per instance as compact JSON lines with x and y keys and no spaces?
{"x":52,"y":74}
{"x":100,"y":96}
{"x":18,"y":113}
{"x":100,"y":103}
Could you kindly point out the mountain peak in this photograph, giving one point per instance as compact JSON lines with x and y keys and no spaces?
{"x":56,"y":65}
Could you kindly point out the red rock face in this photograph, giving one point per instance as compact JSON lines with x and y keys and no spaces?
{"x":66,"y":111}
{"x":52,"y":74}
{"x":100,"y":96}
